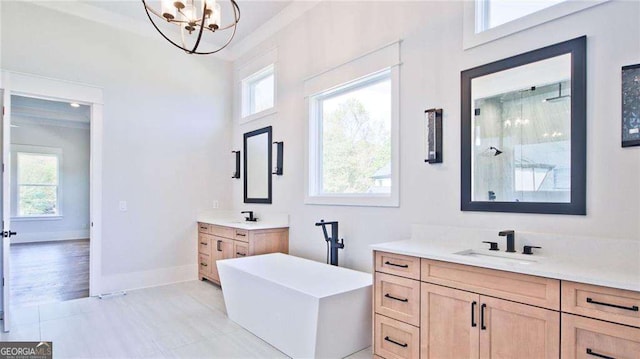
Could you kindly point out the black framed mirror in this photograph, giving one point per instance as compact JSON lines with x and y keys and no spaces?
{"x":524,"y":132}
{"x":257,"y":166}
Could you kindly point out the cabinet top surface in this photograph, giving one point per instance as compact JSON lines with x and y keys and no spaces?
{"x":598,"y":271}
{"x":242,"y":225}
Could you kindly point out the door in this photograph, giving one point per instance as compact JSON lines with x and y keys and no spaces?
{"x":6,"y":203}
{"x":449,"y":322}
{"x":514,"y":330}
{"x":223,"y":250}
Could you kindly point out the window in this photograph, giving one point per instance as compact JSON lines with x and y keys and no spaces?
{"x":488,"y":20}
{"x":258,"y":92}
{"x":492,"y":13}
{"x":351,"y":142}
{"x":38,"y":180}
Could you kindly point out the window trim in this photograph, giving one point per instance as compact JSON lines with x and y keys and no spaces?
{"x":17,"y":149}
{"x":246,"y":97}
{"x":472,"y":39}
{"x":312,"y":173}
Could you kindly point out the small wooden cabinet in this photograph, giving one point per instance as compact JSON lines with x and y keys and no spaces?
{"x":221,"y":242}
{"x":473,"y":312}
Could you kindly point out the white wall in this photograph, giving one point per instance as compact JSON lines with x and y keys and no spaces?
{"x":334,"y":32}
{"x":74,"y":192}
{"x":166,"y":130}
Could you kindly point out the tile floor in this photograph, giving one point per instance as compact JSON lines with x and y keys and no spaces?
{"x":182,"y":320}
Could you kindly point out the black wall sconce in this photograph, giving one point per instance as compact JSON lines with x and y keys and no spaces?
{"x":433,"y":135}
{"x":236,"y":174}
{"x":279,"y":150}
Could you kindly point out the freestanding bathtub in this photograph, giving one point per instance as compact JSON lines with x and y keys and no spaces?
{"x":306,"y":309}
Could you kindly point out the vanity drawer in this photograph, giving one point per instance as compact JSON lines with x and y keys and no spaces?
{"x":398,"y":298}
{"x":204,"y":264}
{"x":204,"y":244}
{"x":220,"y":231}
{"x":203,"y":228}
{"x":241,"y":235}
{"x":592,"y":338}
{"x":240,"y":249}
{"x":398,"y":264}
{"x":522,"y":288}
{"x":614,"y":305}
{"x":395,"y":339}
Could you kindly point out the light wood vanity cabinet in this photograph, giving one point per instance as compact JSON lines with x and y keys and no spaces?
{"x":220,"y":242}
{"x":472,"y":312}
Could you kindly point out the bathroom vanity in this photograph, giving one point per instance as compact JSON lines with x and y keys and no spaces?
{"x":434,"y":300}
{"x":223,"y":239}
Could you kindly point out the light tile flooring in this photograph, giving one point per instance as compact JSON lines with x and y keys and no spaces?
{"x":182,"y":320}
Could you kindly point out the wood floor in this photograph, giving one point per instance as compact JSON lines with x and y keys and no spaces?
{"x":48,"y":272}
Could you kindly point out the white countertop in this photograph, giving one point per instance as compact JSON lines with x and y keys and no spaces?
{"x":236,"y":220}
{"x":608,"y":262}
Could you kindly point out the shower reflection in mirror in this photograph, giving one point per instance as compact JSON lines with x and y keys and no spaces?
{"x":522,"y":144}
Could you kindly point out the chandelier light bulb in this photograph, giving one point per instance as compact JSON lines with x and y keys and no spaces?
{"x":168,"y":10}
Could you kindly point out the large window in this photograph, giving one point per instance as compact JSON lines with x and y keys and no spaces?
{"x":38,"y":181}
{"x":258,"y":92}
{"x":351,"y":141}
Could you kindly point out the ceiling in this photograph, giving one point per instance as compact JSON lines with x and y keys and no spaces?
{"x":253,"y":14}
{"x":35,"y":110}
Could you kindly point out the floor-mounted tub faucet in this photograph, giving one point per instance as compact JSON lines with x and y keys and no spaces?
{"x":511,"y":239}
{"x":333,"y":243}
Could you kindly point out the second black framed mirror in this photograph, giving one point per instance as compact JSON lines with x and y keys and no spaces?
{"x":524,"y":132}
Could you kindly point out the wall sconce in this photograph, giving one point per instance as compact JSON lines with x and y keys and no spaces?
{"x":433,"y":135}
{"x":236,"y":174}
{"x":278,"y":151}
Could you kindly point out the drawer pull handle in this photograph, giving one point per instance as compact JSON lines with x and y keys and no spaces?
{"x":240,"y":254}
{"x":473,"y":314}
{"x":632,"y":308}
{"x":218,"y":246}
{"x":397,"y":265}
{"x":204,"y":243}
{"x":404,"y":345}
{"x":591,"y":352}
{"x":204,"y":264}
{"x":482,"y":326}
{"x":396,"y":298}
{"x":241,"y":234}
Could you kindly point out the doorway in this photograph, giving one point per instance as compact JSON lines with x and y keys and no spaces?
{"x":49,"y":194}
{"x":33,"y":86}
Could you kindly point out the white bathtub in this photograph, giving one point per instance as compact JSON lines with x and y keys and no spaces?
{"x":306,"y":309}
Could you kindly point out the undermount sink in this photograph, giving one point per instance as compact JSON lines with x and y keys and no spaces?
{"x":506,"y":258}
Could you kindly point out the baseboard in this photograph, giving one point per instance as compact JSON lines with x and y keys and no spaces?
{"x":144,"y":279}
{"x":32,"y":237}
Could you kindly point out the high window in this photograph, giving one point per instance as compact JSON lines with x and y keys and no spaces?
{"x":38,"y":182}
{"x":258,"y":91}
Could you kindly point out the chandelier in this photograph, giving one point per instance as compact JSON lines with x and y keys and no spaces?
{"x":193,"y":18}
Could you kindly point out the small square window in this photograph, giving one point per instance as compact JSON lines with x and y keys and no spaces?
{"x":492,"y":13}
{"x":258,"y":92}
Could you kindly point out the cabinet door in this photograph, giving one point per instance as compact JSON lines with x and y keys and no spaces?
{"x":222,"y":249}
{"x":514,"y":330}
{"x":591,"y":338}
{"x":448,"y":322}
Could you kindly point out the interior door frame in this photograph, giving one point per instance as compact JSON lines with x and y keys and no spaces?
{"x":22,"y":84}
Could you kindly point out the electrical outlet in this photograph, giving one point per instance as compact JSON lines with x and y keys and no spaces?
{"x":122,"y":206}
{"x":216,"y":204}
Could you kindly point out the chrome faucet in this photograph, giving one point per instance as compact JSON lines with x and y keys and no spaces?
{"x":511,"y":239}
